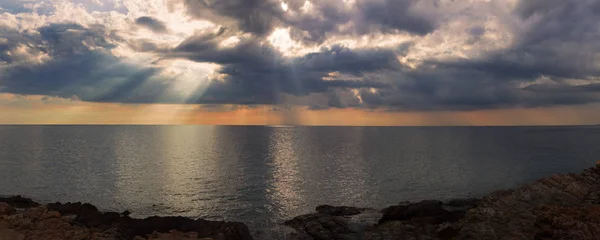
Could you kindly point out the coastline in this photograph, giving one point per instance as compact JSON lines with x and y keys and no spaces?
{"x":565,"y":206}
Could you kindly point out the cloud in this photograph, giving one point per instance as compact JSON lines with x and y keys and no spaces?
{"x":313,"y":20}
{"x":79,"y":64}
{"x":403,"y":55}
{"x":255,"y":16}
{"x":152,"y":24}
{"x":257,"y":74}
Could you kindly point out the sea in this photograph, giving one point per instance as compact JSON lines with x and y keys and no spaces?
{"x":264,"y":175}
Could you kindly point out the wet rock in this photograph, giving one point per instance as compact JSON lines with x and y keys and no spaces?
{"x":429,"y":211}
{"x":323,"y":226}
{"x":6,"y":209}
{"x":19,"y":202}
{"x":339,"y":211}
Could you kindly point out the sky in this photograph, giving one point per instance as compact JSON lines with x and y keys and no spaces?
{"x":300,"y":62}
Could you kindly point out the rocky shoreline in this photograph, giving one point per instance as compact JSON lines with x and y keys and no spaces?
{"x":563,"y":206}
{"x":22,"y":218}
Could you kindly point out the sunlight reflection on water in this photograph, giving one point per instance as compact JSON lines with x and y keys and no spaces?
{"x":263,"y":175}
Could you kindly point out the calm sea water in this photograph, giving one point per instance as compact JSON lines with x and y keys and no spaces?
{"x":265,"y":175}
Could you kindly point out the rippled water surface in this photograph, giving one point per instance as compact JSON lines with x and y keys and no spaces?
{"x":264,"y":175}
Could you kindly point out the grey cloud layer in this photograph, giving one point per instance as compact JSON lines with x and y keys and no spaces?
{"x":257,"y":74}
{"x":561,"y":44}
{"x":327,"y":16}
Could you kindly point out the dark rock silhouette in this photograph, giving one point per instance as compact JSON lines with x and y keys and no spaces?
{"x":69,"y":220}
{"x":19,"y":202}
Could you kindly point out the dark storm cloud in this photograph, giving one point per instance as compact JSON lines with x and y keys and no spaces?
{"x":14,"y":38}
{"x":564,"y":39}
{"x":151,"y":23}
{"x":564,"y":88}
{"x":560,"y":43}
{"x":254,"y":73}
{"x":255,"y":16}
{"x":462,"y":89}
{"x":262,"y":16}
{"x":392,"y":15}
{"x":367,"y":17}
{"x":257,"y":74}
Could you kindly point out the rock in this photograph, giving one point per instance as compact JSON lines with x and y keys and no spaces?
{"x":429,"y":211}
{"x":446,"y":231}
{"x":18,"y":221}
{"x":35,"y":212}
{"x":6,"y":209}
{"x":98,"y":219}
{"x":52,"y":223}
{"x":19,"y":202}
{"x":324,"y":226}
{"x":76,"y":208}
{"x":84,"y":221}
{"x":218,"y":230}
{"x":172,"y":235}
{"x":461,"y":204}
{"x":399,"y":231}
{"x":50,"y":214}
{"x":557,"y":207}
{"x":582,"y":222}
{"x":69,"y":218}
{"x":339,"y":211}
{"x":125,"y":213}
{"x":10,"y":234}
{"x":422,"y":220}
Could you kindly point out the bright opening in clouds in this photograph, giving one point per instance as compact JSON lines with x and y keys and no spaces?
{"x":391,"y":56}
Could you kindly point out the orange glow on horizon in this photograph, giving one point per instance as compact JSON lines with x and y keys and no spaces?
{"x":43,"y":110}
